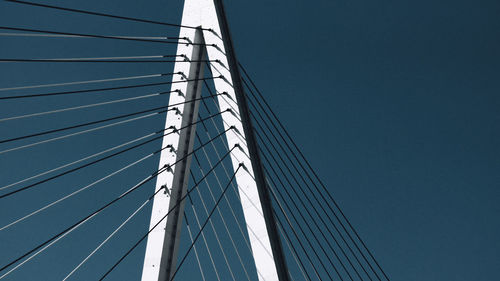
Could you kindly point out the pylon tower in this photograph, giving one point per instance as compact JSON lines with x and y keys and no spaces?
{"x":211,"y":39}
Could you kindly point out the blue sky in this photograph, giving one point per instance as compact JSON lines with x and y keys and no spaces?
{"x":395,"y":103}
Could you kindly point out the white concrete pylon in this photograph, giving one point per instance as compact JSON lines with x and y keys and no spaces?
{"x":202,"y":13}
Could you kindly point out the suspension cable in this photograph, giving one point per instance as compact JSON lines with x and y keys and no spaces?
{"x":100,"y":36}
{"x":204,"y":238}
{"x":206,"y":222}
{"x":305,"y":222}
{"x":216,"y":235}
{"x":156,"y":110}
{"x":102,"y":14}
{"x":111,"y":235}
{"x":280,"y":224}
{"x":107,"y":89}
{"x":331,"y":199}
{"x":293,"y":251}
{"x":194,"y":248}
{"x":78,"y":161}
{"x":65,"y":232}
{"x":161,"y":170}
{"x":220,"y":184}
{"x":78,"y":133}
{"x":308,"y":241}
{"x":12,"y":34}
{"x":103,"y":158}
{"x":307,"y":197}
{"x":163,"y":218}
{"x":86,"y":82}
{"x":87,"y":186}
{"x":77,"y":191}
{"x":225,"y":170}
{"x":100,"y":58}
{"x":224,"y":223}
{"x":296,"y":236}
{"x":5,"y":60}
{"x":84,"y":106}
{"x":221,"y":189}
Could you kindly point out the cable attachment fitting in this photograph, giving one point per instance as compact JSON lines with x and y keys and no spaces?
{"x":227,"y":95}
{"x":220,"y":62}
{"x":224,"y":79}
{"x":168,"y":168}
{"x":172,"y":148}
{"x":174,"y":129}
{"x":233,"y":127}
{"x":180,"y":93}
{"x":232,"y":112}
{"x":183,"y":76}
{"x":165,"y":190}
{"x":177,"y":111}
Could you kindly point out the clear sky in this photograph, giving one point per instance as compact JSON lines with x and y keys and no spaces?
{"x":395,"y":103}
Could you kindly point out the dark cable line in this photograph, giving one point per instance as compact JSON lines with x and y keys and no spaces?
{"x":154,"y":110}
{"x":204,"y":240}
{"x":319,"y":180}
{"x":82,"y":220}
{"x":303,"y":192}
{"x":295,"y":234}
{"x":305,"y":171}
{"x":110,"y":89}
{"x":303,"y":218}
{"x":206,"y":221}
{"x":292,"y":246}
{"x":169,"y":108}
{"x":297,"y":257}
{"x":79,"y":107}
{"x":211,"y":93}
{"x":216,"y":235}
{"x":170,"y":210}
{"x":96,"y":61}
{"x":72,"y":83}
{"x":305,"y":207}
{"x":191,"y":237}
{"x":198,"y":223}
{"x":310,"y":191}
{"x":217,"y":153}
{"x":161,"y":170}
{"x":101,"y":14}
{"x":220,"y":213}
{"x":100,"y":36}
{"x":104,"y":158}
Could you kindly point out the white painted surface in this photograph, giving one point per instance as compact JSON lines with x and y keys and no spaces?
{"x":202,"y":13}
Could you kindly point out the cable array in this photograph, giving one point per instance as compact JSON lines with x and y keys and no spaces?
{"x":103,"y":168}
{"x":350,"y":250}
